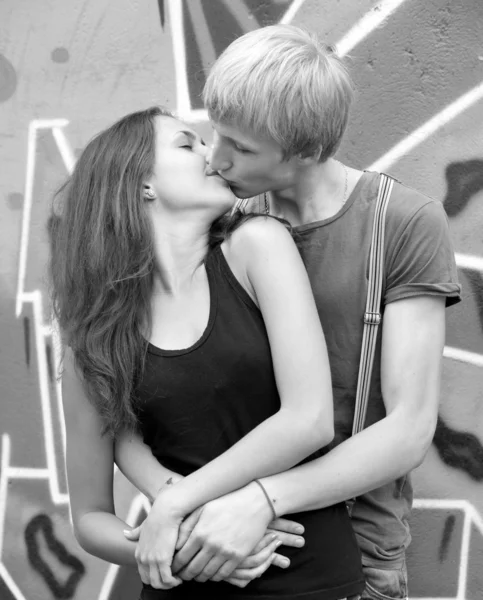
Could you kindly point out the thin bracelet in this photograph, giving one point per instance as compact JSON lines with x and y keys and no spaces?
{"x":272,"y":507}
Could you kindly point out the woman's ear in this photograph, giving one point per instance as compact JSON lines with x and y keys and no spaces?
{"x":148,"y":192}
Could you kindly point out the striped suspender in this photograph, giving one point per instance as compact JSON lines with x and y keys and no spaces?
{"x":372,"y":316}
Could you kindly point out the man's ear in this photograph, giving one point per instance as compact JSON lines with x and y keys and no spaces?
{"x":307,"y":159}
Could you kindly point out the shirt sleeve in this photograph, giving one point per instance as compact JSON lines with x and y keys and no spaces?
{"x":420,"y":259}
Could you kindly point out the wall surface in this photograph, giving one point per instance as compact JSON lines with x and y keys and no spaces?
{"x":69,"y":68}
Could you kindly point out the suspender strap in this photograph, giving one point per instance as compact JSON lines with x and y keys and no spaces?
{"x":372,"y":316}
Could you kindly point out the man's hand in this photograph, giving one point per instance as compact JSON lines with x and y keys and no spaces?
{"x":215,"y":540}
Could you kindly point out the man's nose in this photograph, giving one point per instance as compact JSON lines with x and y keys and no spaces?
{"x":217,"y":161}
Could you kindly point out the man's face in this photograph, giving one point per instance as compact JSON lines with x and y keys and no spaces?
{"x":250,"y":164}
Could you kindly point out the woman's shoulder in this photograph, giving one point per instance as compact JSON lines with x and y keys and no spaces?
{"x":257,"y":233}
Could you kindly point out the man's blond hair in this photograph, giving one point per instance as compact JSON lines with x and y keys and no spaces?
{"x":282,"y":82}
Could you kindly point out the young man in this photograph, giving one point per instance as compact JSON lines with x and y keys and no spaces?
{"x":279,"y":102}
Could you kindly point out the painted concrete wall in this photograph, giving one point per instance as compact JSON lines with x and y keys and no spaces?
{"x":67,"y":69}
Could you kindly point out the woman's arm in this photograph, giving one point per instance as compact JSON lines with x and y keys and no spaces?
{"x":90,"y":463}
{"x":266,"y":260}
{"x":136,"y":462}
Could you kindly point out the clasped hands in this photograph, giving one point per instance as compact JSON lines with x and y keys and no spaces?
{"x":231,"y":538}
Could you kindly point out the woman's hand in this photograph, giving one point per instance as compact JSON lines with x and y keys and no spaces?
{"x":158,"y":535}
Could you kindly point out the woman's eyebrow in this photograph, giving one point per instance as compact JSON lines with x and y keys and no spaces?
{"x":189,"y":134}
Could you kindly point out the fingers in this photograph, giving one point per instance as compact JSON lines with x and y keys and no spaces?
{"x":289,"y":539}
{"x":267,"y":539}
{"x":186,"y":528}
{"x":247,"y":575}
{"x":210,"y":570}
{"x":167,"y":578}
{"x":255,"y":560}
{"x":132,"y":534}
{"x":287,"y":526}
{"x":278,"y":560}
{"x":186,"y":554}
{"x":238,"y":582}
{"x":196,"y":565}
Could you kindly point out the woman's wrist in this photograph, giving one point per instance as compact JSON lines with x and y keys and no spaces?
{"x":169,"y":500}
{"x":170,"y":481}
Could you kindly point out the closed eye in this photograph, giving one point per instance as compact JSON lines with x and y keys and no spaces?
{"x":242,"y":150}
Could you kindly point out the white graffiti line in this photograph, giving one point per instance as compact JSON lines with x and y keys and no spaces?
{"x":183,"y":104}
{"x":57,"y":357}
{"x":34,"y":126}
{"x":420,"y":134}
{"x":64,"y":149}
{"x":10,"y":583}
{"x":42,"y":332}
{"x":370,"y":21}
{"x":465,"y":356}
{"x":27,"y":473}
{"x":5,"y":472}
{"x":291,"y":12}
{"x":140,"y":503}
{"x":469,"y":262}
{"x":4,"y":485}
{"x":465,"y":551}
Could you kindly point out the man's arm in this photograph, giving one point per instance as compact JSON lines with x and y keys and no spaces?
{"x":412,"y":347}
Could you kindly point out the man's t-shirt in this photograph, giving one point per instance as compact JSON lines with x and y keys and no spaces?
{"x":419,"y":260}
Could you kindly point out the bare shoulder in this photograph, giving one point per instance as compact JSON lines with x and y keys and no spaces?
{"x":259,"y":234}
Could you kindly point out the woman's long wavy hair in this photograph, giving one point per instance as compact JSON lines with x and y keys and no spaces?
{"x":102,"y":263}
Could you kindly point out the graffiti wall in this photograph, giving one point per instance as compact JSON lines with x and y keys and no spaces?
{"x":67,"y":69}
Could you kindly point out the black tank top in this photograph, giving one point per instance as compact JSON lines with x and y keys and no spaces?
{"x":197,"y":402}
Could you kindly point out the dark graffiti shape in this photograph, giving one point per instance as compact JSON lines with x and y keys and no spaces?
{"x":476,"y":282}
{"x":26,"y":339}
{"x":161,"y":12}
{"x":50,"y":366}
{"x":446,"y":538}
{"x":60,"y":55}
{"x":15,"y":200}
{"x":42,"y":524}
{"x":464,"y":179}
{"x":459,"y":449}
{"x":8,"y":79}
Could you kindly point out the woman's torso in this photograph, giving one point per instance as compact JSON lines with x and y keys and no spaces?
{"x":197,"y":402}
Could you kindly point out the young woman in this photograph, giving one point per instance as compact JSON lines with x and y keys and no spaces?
{"x":200,"y":331}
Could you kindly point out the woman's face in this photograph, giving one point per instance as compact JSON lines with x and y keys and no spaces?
{"x":182,"y":179}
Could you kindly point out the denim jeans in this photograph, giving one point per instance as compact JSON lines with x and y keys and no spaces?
{"x":385,"y":584}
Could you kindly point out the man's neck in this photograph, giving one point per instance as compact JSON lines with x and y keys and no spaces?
{"x":319,"y":193}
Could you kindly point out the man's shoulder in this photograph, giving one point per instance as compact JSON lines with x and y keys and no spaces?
{"x":407,"y":202}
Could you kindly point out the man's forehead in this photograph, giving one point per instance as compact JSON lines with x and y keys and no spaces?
{"x":236,"y":133}
{"x":244,"y":137}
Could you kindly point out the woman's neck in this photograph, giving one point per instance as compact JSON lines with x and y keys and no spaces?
{"x":180,"y":250}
